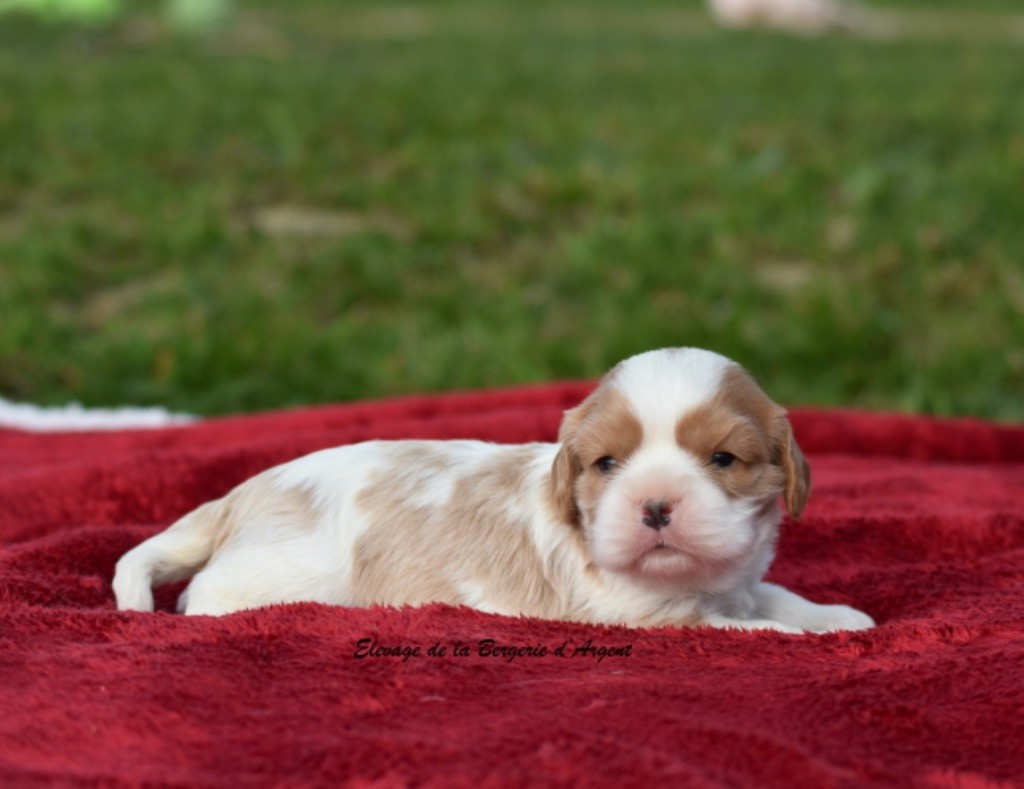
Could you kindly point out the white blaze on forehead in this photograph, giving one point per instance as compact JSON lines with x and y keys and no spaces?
{"x":663,"y":385}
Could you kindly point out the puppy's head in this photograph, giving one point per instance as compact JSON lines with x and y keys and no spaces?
{"x":673,"y":465}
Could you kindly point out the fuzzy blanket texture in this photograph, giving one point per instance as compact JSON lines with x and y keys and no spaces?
{"x":919,"y":522}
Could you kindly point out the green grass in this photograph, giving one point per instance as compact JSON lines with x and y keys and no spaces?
{"x":337,"y":201}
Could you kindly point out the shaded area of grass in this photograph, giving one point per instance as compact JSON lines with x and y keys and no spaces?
{"x":305,"y":210}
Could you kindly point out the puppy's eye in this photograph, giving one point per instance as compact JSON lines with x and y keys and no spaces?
{"x":722,"y":459}
{"x":606,"y":464}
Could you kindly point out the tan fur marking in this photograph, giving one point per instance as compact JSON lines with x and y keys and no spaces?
{"x":259,"y":500}
{"x":798,"y":471}
{"x":567,"y":467}
{"x":742,"y":420}
{"x":602,"y":425}
{"x":415,"y":456}
{"x":417,"y":554}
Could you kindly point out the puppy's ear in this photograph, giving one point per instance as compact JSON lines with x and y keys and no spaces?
{"x":794,"y":464}
{"x":566,"y":468}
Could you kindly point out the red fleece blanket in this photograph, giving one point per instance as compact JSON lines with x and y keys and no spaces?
{"x":919,"y":522}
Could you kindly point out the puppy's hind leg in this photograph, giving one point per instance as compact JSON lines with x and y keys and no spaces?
{"x":232,"y":582}
{"x":201,"y":599}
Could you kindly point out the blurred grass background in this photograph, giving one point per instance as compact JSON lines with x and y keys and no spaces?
{"x":330,"y":201}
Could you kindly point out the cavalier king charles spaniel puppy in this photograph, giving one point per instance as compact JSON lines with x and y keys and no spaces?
{"x":657,"y":506}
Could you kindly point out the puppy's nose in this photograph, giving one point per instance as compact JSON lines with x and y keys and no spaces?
{"x":656,"y":514}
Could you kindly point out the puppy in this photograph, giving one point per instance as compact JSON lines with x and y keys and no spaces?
{"x":657,"y":506}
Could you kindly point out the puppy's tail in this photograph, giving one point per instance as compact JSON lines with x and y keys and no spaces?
{"x":177,"y":553}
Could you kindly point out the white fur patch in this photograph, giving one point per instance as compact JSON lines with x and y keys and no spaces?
{"x":663,"y":385}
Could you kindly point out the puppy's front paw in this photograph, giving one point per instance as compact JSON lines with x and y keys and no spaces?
{"x":832,"y":618}
{"x":728,"y":623}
